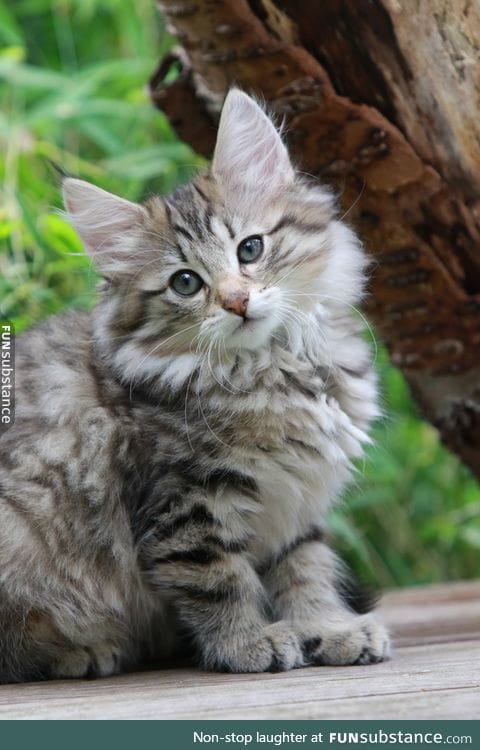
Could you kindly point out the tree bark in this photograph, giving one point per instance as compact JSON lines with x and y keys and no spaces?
{"x":380,"y":99}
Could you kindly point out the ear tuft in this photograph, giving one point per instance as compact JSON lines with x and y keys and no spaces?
{"x":249,"y":154}
{"x":99,"y":217}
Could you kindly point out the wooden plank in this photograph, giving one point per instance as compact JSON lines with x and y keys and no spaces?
{"x":438,"y":704}
{"x":186,"y":694}
{"x":432,"y":614}
{"x":449,"y":593}
{"x":436,"y":676}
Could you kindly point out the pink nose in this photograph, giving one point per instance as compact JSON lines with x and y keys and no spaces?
{"x":236,"y":302}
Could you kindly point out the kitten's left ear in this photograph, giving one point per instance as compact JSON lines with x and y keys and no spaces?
{"x":100,"y":218}
{"x":249,"y":153}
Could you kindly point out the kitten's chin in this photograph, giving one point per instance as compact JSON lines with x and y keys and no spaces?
{"x":251,"y":334}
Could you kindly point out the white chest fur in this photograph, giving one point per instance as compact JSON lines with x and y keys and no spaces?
{"x":300,"y":468}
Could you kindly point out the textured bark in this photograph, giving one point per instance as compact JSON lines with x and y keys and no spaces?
{"x":380,"y":99}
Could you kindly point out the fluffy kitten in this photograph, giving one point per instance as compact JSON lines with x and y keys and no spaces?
{"x":175,"y":453}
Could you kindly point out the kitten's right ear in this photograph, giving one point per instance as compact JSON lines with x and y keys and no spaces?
{"x":100,"y":218}
{"x":250,"y":159}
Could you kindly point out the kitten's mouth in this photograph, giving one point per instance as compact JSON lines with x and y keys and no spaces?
{"x":248,"y":324}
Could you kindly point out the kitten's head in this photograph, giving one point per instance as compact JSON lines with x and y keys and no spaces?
{"x":229,"y":262}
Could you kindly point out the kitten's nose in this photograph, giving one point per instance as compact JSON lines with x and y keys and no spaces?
{"x":236,"y":302}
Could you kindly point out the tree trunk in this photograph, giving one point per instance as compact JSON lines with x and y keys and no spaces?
{"x":380,"y":99}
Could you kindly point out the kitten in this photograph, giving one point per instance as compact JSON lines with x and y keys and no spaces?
{"x":175,"y":452}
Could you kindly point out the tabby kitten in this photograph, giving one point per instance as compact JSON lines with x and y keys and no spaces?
{"x":175,"y":452}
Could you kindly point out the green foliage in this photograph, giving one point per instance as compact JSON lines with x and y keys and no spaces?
{"x":413,"y":515}
{"x":72,"y":91}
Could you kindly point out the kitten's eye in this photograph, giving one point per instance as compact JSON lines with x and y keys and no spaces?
{"x":250,"y":249}
{"x":186,"y":283}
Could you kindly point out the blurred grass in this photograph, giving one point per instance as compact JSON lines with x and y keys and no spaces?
{"x":72,"y":90}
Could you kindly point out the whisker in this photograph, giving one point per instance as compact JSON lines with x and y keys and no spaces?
{"x":237,"y":388}
{"x":306,"y":323}
{"x":199,"y":401}
{"x":211,"y":369}
{"x":198,"y":336}
{"x":352,"y":307}
{"x":154,"y":349}
{"x":354,"y":202}
{"x":292,"y":269}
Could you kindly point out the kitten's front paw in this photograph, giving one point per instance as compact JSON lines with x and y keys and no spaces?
{"x":276,"y":649}
{"x":100,"y":660}
{"x":359,"y":640}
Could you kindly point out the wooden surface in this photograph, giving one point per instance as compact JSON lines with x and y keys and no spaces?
{"x":434,"y":674}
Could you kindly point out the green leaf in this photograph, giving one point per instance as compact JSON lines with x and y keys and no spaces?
{"x":10,"y":31}
{"x":27,"y":77}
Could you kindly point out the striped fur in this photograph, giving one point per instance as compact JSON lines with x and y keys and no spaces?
{"x":172,"y":461}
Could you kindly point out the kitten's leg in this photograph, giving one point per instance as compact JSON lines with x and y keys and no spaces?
{"x":33,"y":648}
{"x":56,"y":619}
{"x":217,"y":595}
{"x":305,"y":586}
